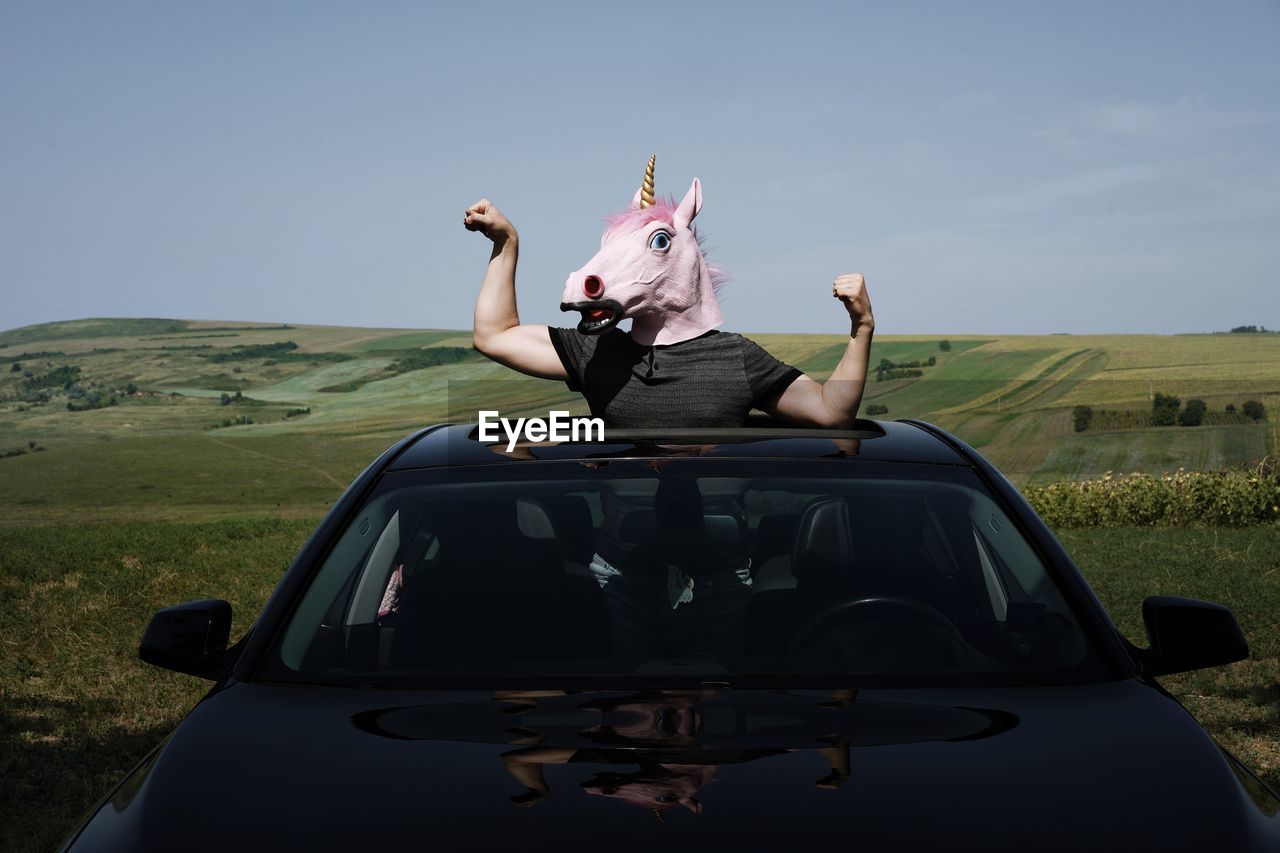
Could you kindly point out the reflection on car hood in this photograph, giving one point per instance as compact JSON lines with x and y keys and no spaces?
{"x":1042,"y":768}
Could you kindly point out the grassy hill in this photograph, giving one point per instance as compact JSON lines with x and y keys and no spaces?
{"x":136,"y":424}
{"x":199,"y":419}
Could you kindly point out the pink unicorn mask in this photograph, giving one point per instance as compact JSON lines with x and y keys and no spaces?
{"x":650,"y":269}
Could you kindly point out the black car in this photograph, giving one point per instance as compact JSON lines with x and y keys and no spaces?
{"x":757,"y":638}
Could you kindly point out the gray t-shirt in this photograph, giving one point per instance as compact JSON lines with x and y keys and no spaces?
{"x":712,"y":380}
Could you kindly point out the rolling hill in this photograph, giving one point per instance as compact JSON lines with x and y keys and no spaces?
{"x":180,"y":418}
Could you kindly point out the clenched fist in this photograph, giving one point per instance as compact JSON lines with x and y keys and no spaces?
{"x":851,"y":289}
{"x":484,"y":217}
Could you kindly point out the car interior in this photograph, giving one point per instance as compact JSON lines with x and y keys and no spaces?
{"x":657,"y":574}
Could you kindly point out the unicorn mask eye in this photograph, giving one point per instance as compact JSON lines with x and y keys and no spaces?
{"x":660,"y":241}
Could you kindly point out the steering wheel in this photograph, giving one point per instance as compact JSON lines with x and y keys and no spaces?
{"x":864,"y":610}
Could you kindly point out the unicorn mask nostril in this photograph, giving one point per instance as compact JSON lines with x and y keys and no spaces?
{"x":593,"y":287}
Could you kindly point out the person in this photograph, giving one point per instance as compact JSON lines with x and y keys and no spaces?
{"x":673,"y":368}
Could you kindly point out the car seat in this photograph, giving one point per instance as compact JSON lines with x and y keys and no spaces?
{"x":494,"y":593}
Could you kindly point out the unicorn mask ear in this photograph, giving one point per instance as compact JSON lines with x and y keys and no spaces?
{"x":689,"y":208}
{"x":635,"y":201}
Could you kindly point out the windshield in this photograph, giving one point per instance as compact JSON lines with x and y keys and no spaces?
{"x":727,"y":571}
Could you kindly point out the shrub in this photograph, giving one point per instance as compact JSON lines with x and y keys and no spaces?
{"x":933,"y":359}
{"x":1231,"y":408}
{"x":276,"y":353}
{"x":882,"y":375}
{"x":1231,"y":497}
{"x":1193,"y":414}
{"x":410,"y":360}
{"x":64,"y":376}
{"x":944,"y":345}
{"x":1164,"y":409}
{"x":1082,"y":416}
{"x":877,"y":409}
{"x":244,"y":352}
{"x":1254,"y":409}
{"x":17,"y":368}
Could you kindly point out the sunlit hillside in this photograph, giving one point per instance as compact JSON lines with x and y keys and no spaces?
{"x":178,"y":418}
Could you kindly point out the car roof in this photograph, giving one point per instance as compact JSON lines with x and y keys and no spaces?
{"x":447,"y":445}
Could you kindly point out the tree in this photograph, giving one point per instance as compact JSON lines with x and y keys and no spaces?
{"x":225,"y":398}
{"x":17,"y":368}
{"x":933,"y":359}
{"x":1254,"y":409}
{"x":1193,"y":414}
{"x":1164,"y":409}
{"x":1082,"y":416}
{"x":944,"y":345}
{"x":1231,"y":408}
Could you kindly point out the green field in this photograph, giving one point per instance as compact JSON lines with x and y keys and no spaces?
{"x":163,"y":451}
{"x":109,"y":513}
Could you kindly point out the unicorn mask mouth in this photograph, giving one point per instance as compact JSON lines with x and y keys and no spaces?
{"x":597,"y":316}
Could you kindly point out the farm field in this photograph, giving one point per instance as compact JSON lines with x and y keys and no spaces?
{"x":217,"y":417}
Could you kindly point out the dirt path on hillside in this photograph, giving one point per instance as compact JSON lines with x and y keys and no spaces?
{"x":320,"y":471}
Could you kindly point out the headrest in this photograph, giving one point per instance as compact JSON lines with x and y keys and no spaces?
{"x":824,"y":529}
{"x":534,"y":520}
{"x":775,"y":534}
{"x":678,"y":503}
{"x":571,"y":514}
{"x":481,"y":529}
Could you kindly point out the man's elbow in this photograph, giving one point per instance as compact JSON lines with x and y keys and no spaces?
{"x":837,"y":419}
{"x":841,"y":421}
{"x":485,"y":343}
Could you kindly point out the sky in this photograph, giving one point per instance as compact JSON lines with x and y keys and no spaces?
{"x":1020,"y":167}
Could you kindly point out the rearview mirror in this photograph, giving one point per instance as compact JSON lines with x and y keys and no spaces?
{"x":1187,"y":634}
{"x":190,"y":638}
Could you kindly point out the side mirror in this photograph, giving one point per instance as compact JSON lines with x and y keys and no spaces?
{"x":1188,"y":634}
{"x":190,"y":638}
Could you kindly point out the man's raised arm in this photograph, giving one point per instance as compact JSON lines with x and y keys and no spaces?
{"x":835,"y":403}
{"x":498,"y":333}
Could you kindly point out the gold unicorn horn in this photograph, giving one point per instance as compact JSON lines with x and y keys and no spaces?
{"x":646,"y":189}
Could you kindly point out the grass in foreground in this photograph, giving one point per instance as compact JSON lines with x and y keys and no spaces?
{"x":77,"y":708}
{"x":1238,"y":704}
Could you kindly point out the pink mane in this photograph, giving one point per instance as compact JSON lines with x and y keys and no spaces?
{"x":662,"y":210}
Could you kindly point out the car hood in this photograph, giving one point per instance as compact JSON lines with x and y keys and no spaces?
{"x":1041,"y":768}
